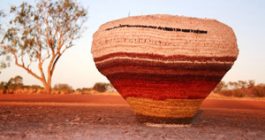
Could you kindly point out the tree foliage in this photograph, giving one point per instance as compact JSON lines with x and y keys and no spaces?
{"x":2,"y":14}
{"x":2,"y":63}
{"x":40,"y":34}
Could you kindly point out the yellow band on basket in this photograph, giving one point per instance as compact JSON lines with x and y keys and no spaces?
{"x":170,"y":108}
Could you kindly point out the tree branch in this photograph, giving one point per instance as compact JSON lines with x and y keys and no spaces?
{"x":48,"y":40}
{"x":40,"y":64}
{"x":25,"y":68}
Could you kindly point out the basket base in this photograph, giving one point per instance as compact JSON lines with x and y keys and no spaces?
{"x":169,"y":111}
{"x":162,"y":120}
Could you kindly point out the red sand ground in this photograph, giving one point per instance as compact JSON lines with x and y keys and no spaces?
{"x":109,"y":117}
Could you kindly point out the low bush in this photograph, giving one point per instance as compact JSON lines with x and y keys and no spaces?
{"x":250,"y":90}
{"x":100,"y":87}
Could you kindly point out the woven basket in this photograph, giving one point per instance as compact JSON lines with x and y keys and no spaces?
{"x":164,"y":66}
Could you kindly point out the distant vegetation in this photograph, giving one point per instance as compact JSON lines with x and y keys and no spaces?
{"x":62,"y":89}
{"x":15,"y":86}
{"x":240,"y":89}
{"x":102,"y":87}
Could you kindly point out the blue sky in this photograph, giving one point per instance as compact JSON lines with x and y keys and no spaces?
{"x":76,"y":67}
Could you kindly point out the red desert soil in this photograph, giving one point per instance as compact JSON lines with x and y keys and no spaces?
{"x":109,"y":117}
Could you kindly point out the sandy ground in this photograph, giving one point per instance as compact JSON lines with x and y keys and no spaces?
{"x":109,"y":117}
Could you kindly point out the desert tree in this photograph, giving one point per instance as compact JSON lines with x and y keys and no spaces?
{"x":17,"y":80}
{"x":13,"y":84}
{"x":38,"y":35}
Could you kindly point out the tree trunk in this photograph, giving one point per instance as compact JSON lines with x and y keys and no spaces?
{"x":47,"y":87}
